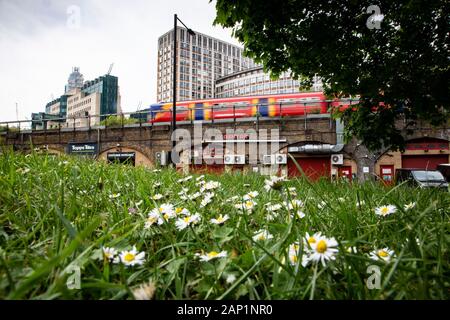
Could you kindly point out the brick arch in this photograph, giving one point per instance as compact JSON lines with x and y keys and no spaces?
{"x":50,"y":149}
{"x":142,"y":157}
{"x":430,"y":134}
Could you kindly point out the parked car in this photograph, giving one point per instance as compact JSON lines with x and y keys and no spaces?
{"x":445,"y":170}
{"x":421,"y":178}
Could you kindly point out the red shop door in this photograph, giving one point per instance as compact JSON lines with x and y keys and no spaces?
{"x":345,"y":172}
{"x":387,"y":173}
{"x":313,"y":167}
{"x":429,"y":162}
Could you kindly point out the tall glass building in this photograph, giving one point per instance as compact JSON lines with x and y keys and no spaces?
{"x":201,"y":61}
{"x":95,"y":99}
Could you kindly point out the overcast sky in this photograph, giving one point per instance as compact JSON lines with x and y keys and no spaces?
{"x":41,"y":40}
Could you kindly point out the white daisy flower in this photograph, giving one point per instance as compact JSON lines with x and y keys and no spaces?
{"x":323,"y":249}
{"x":195,"y":195}
{"x":210,"y":185}
{"x":311,"y":239}
{"x":262,"y":235}
{"x":164,"y":213}
{"x":385,"y":210}
{"x":182,"y":211}
{"x":151,"y":219}
{"x":220,"y":219}
{"x":206,"y":200}
{"x":185,"y":222}
{"x":409,"y":206}
{"x":132,"y":257}
{"x":384,"y":254}
{"x":322,"y":205}
{"x":144,"y":291}
{"x":109,"y":253}
{"x":232,"y":199}
{"x":274,"y":183}
{"x":251,"y":195}
{"x":185,"y":197}
{"x":293,"y":253}
{"x":200,"y":178}
{"x":231,"y":278}
{"x":246,"y":206}
{"x":300,"y":214}
{"x":292,"y":191}
{"x":185,"y":179}
{"x":157,"y":196}
{"x":273,"y":207}
{"x":212,"y":255}
{"x":295,"y":205}
{"x":114,"y":195}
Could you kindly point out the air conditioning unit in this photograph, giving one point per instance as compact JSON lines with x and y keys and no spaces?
{"x":239,"y":159}
{"x":228,"y":159}
{"x":162,"y":158}
{"x":268,"y":159}
{"x":337,"y":159}
{"x":281,"y":158}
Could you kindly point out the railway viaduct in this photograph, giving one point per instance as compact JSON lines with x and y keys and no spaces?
{"x":145,"y":140}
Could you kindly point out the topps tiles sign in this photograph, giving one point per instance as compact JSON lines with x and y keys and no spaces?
{"x":89,"y":149}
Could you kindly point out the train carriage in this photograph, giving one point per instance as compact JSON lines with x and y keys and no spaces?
{"x":282,"y":105}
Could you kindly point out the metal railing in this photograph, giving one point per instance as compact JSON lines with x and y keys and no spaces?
{"x":149,"y":118}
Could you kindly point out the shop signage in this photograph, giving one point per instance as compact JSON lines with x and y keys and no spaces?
{"x":82,"y":148}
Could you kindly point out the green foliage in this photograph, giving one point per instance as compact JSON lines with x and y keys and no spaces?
{"x":56,"y":213}
{"x":9,"y":129}
{"x":404,"y":64}
{"x":117,"y":121}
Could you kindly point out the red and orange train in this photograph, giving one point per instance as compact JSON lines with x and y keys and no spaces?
{"x":280,"y":105}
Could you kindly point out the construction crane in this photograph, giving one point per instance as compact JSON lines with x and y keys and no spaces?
{"x":110,"y":68}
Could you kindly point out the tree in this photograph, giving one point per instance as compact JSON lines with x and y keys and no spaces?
{"x":394,"y":56}
{"x":112,"y":121}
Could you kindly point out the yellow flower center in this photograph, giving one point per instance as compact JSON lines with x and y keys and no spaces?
{"x":213,"y":254}
{"x":311,"y":240}
{"x":151,"y":220}
{"x":294,"y":258}
{"x":187,"y":219}
{"x":166,"y":216}
{"x":261,"y":237}
{"x":161,"y":209}
{"x":384,"y":210}
{"x":107,"y":255}
{"x":383,"y":253}
{"x":249,"y":204}
{"x":129,"y":257}
{"x":178,"y":210}
{"x":321,"y":246}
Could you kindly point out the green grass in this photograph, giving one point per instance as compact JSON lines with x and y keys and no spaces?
{"x":56,"y":213}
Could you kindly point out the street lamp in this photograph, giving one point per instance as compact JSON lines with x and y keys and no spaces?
{"x":174,"y":94}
